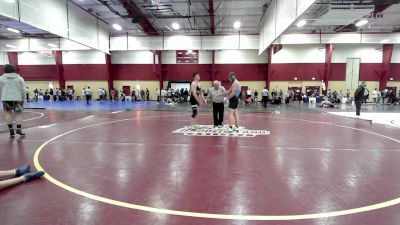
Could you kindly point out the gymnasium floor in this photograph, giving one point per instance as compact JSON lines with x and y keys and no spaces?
{"x":109,"y":165}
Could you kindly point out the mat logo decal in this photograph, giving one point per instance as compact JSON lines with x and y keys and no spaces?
{"x":209,"y":131}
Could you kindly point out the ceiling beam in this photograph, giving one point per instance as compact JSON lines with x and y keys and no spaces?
{"x":136,"y":14}
{"x":212,"y":18}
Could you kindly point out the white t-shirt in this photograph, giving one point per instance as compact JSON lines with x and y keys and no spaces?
{"x":374,"y":94}
{"x":248,"y":92}
{"x":264,"y":92}
{"x":88,"y":92}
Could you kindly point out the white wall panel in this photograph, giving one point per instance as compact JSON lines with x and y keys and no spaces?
{"x":82,"y":26}
{"x":42,"y":44}
{"x":118,"y":43}
{"x":18,"y":45}
{"x":169,"y":57}
{"x":396,"y":54}
{"x":9,"y":9}
{"x":269,"y":27}
{"x":368,"y":53}
{"x":285,"y":15}
{"x":205,"y":57}
{"x":239,"y":57}
{"x":248,"y":41}
{"x":145,"y":43}
{"x":49,"y":15}
{"x":341,"y":38}
{"x":300,"y":54}
{"x":278,"y":17}
{"x":103,"y":37}
{"x":182,"y":42}
{"x":84,"y":57}
{"x":220,"y":42}
{"x":298,"y":39}
{"x":33,"y":58}
{"x":68,"y":45}
{"x":132,"y":57}
{"x":4,"y":58}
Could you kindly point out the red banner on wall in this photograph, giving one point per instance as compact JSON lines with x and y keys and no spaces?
{"x":187,"y":56}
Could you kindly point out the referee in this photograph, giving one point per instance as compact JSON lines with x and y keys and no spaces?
{"x":216,"y":95}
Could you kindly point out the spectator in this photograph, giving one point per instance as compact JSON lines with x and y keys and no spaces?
{"x":147,"y":94}
{"x":36,"y":93}
{"x":366,"y":95}
{"x":142,"y":95}
{"x":375,"y":96}
{"x":70,"y":94}
{"x":158,"y":95}
{"x":27,"y":94}
{"x":378,"y":97}
{"x":249,"y":93}
{"x":264,"y":94}
{"x":12,"y":94}
{"x":88,"y":94}
{"x":133,"y":95}
{"x":100,"y":93}
{"x":122,"y":95}
{"x":163,"y":95}
{"x":359,"y":97}
{"x":256,"y":96}
{"x":348,"y":94}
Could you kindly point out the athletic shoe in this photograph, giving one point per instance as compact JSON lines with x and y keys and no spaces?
{"x":22,"y":170}
{"x":12,"y":133}
{"x":33,"y":176}
{"x":19,"y":131}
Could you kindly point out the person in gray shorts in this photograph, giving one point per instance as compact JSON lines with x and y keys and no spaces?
{"x":12,"y":94}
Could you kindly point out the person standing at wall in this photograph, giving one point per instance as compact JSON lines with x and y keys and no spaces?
{"x":264,"y":94}
{"x":359,"y":97}
{"x":378,"y":97}
{"x":216,"y":95}
{"x":142,"y":95}
{"x":12,"y":94}
{"x":133,"y":95}
{"x":366,"y":95}
{"x":375,"y":96}
{"x":27,"y":94}
{"x":147,"y":94}
{"x":256,"y":96}
{"x":70,"y":93}
{"x":100,"y":93}
{"x":88,"y":94}
{"x":158,"y":92}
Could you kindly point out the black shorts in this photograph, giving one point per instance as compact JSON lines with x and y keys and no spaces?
{"x":17,"y":106}
{"x":193,"y":102}
{"x":233,"y":102}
